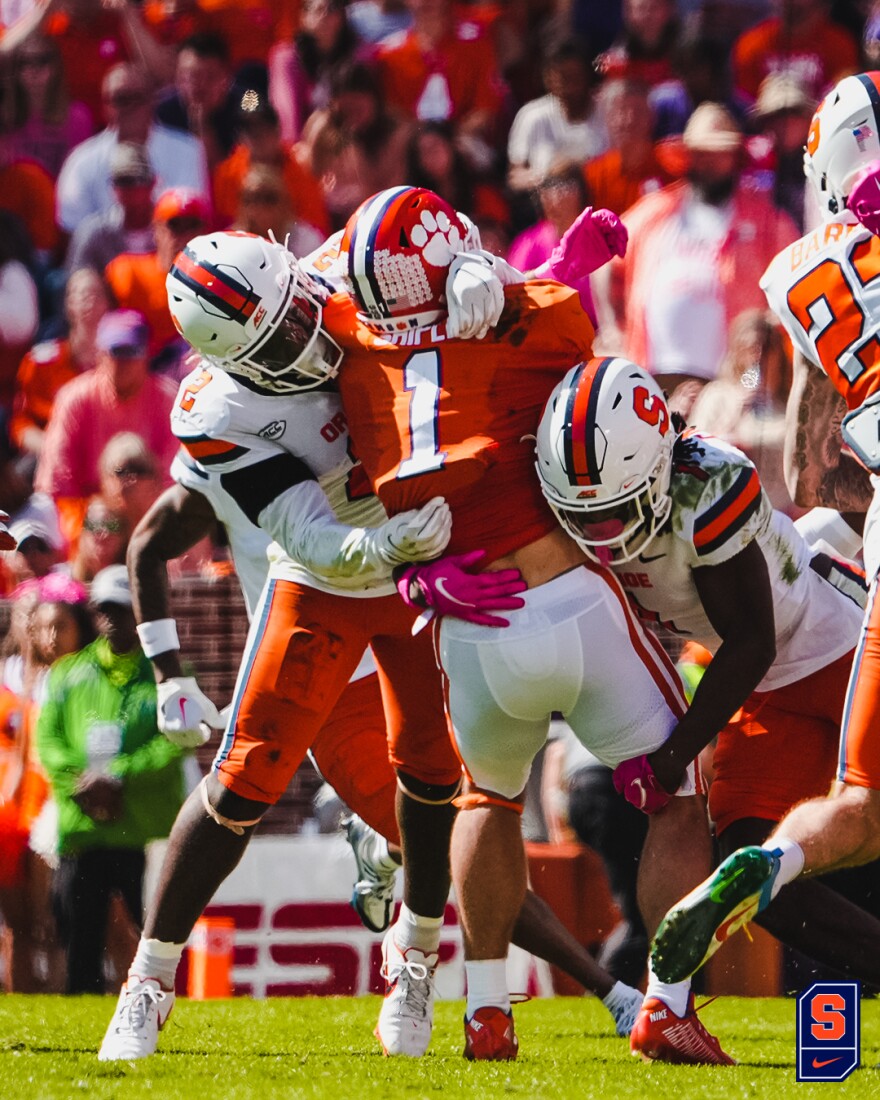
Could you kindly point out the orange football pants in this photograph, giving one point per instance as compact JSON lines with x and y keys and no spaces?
{"x":859,"y":759}
{"x":779,"y":748}
{"x":304,"y":645}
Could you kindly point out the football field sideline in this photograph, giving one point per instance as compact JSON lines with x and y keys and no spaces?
{"x":323,"y":1048}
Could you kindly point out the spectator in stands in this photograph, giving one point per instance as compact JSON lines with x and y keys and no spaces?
{"x":563,"y":124}
{"x":697,"y":250}
{"x":137,"y":281}
{"x":746,"y":403}
{"x":644,"y":48}
{"x":117,"y":781}
{"x":203,"y":101}
{"x":701,"y":67}
{"x":178,"y":159}
{"x":44,"y":124}
{"x":128,"y":225}
{"x":443,"y":69}
{"x":300,"y":71}
{"x":19,"y":316}
{"x":130,"y":479}
{"x":800,"y":40}
{"x":354,"y":146}
{"x":103,"y":541}
{"x":49,"y":620}
{"x":375,"y":20}
{"x":49,"y":365}
{"x":118,"y":395}
{"x":260,"y":142}
{"x":29,"y":199}
{"x":560,"y":196}
{"x":630,"y":168}
{"x":38,"y":552}
{"x":435,"y":162}
{"x":264,"y":205}
{"x":782,"y":116}
{"x":871,"y":38}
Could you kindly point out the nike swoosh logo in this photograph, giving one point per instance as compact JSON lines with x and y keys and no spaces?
{"x":637,"y":783}
{"x":717,"y":892}
{"x":818,"y":1065}
{"x":723,"y":930}
{"x":182,"y":705}
{"x":440,"y":585}
{"x":654,"y":557}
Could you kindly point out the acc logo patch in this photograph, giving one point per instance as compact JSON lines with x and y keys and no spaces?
{"x":273,"y":431}
{"x":258,"y":317}
{"x":828,"y":1031}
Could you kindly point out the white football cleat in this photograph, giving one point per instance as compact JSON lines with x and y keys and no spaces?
{"x":626,"y":1012}
{"x":373,"y":895}
{"x":407,"y":1014}
{"x":141,"y":1012}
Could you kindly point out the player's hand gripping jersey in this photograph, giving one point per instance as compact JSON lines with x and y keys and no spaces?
{"x":430,"y":416}
{"x":718,"y":507}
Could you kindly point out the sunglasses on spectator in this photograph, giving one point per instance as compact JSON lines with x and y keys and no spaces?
{"x":36,"y":61}
{"x":125,"y":99}
{"x":131,"y":470}
{"x":184,"y":224}
{"x":126,"y":182}
{"x":108,"y":526}
{"x":263,"y":197}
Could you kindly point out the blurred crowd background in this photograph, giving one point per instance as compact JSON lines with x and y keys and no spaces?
{"x":128,"y":127}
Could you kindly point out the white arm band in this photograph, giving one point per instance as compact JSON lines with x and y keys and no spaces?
{"x":159,"y":636}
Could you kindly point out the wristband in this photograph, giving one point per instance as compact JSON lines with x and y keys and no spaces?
{"x":158,"y":636}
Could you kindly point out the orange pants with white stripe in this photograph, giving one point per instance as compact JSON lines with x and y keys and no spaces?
{"x":780,"y":748}
{"x":575,"y":647}
{"x":302,"y":649}
{"x":859,"y":757}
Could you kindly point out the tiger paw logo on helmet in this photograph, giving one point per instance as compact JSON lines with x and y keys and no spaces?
{"x":397,"y":248}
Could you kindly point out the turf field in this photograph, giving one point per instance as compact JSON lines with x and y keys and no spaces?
{"x":323,"y":1047}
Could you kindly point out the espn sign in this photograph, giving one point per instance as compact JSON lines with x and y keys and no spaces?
{"x":828,"y":1031}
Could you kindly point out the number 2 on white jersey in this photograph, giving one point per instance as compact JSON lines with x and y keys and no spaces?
{"x":421,"y":379}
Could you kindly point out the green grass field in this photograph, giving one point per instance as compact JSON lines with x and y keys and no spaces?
{"x":323,"y":1047}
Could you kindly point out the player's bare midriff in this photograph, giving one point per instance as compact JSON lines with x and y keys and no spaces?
{"x":544,"y":559}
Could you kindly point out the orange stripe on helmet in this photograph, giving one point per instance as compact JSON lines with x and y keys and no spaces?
{"x":215,"y":285}
{"x":581,"y":461}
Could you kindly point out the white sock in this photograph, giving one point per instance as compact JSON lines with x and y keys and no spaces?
{"x":791,"y":861}
{"x":619,"y":997}
{"x":156,"y":959}
{"x":674,"y":994}
{"x":486,"y":985}
{"x":411,"y":930}
{"x":380,"y":856}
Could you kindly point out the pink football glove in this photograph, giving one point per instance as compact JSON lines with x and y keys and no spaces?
{"x":635,"y":780}
{"x":864,"y":197}
{"x":453,"y":586}
{"x":592,"y":239}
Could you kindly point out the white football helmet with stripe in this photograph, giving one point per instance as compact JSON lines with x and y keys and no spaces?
{"x":605,"y":458}
{"x":245,"y":303}
{"x":844,"y":137}
{"x":396,"y":251}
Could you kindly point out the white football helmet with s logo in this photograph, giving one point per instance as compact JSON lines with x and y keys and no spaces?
{"x":244,"y":302}
{"x":605,"y":458}
{"x":844,"y":137}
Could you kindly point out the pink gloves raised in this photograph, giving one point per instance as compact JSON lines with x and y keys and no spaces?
{"x":592,"y":239}
{"x":453,"y":586}
{"x":635,"y":780}
{"x":864,"y":197}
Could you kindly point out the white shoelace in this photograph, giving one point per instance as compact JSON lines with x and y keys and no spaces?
{"x":413,"y":978}
{"x":135,"y":1008}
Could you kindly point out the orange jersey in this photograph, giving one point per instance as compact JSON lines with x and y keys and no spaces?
{"x":28,"y":190}
{"x":138,"y":282}
{"x":456,"y":418}
{"x":818,"y":59}
{"x":610,"y":188}
{"x":248,"y":26}
{"x":42,"y":373}
{"x":306,"y":199}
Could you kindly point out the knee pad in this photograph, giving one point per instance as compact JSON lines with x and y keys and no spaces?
{"x":237,"y":827}
{"x":431,"y":794}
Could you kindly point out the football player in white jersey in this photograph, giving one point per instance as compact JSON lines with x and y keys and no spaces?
{"x":683,"y":522}
{"x":825,"y":289}
{"x":258,"y":412}
{"x":350,"y":751}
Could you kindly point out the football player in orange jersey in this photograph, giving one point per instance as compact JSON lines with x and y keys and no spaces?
{"x":825,"y":289}
{"x":432,"y":414}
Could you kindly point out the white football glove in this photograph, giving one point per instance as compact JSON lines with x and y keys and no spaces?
{"x":417,"y":535}
{"x":185,"y":714}
{"x":475,"y":293}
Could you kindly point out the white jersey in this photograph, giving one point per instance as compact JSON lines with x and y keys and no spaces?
{"x":825,"y":290}
{"x":247,"y":542}
{"x":718,"y":508}
{"x":292,"y":449}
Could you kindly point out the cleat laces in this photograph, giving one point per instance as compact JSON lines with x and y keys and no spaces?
{"x":412,"y":977}
{"x":135,"y":1009}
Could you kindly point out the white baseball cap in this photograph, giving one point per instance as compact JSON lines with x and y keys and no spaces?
{"x":111,"y":585}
